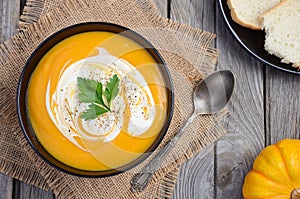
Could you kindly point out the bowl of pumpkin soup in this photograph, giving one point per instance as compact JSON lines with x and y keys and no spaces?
{"x":95,"y":99}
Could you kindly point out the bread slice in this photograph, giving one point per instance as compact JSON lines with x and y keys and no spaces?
{"x":282,"y":27}
{"x":246,"y":12}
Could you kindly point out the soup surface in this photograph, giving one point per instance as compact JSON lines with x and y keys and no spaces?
{"x":111,"y":139}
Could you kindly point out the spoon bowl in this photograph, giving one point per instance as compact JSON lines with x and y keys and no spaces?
{"x":213,"y":93}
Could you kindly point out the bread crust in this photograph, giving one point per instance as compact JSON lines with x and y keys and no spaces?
{"x":282,"y":2}
{"x":270,"y":49}
{"x":236,"y":19}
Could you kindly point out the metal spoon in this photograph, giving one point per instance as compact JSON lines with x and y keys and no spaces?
{"x":210,"y":96}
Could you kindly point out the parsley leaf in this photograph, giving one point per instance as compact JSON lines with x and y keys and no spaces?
{"x":99,"y":98}
{"x":87,"y":89}
{"x":91,"y":91}
{"x":93,"y":112}
{"x":112,"y":89}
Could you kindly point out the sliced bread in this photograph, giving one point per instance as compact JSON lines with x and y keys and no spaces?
{"x":282,"y":27}
{"x":246,"y":12}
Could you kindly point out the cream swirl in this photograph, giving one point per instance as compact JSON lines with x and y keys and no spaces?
{"x":133,"y":110}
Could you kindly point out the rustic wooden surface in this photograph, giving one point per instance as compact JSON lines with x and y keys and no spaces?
{"x":264,"y":109}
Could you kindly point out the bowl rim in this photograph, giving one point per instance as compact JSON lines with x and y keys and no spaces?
{"x":22,"y":98}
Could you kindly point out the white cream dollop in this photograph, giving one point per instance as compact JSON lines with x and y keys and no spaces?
{"x":133,"y":109}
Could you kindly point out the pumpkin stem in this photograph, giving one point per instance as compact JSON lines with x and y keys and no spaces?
{"x":295,"y":194}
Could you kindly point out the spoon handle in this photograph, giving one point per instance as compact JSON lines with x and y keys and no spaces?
{"x":140,"y":181}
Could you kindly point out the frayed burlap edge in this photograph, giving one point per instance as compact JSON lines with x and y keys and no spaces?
{"x":18,"y":172}
{"x":211,"y":54}
{"x":11,"y":168}
{"x":31,"y":12}
{"x":34,"y":9}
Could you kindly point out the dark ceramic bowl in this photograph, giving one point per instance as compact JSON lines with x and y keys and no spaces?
{"x":33,"y":61}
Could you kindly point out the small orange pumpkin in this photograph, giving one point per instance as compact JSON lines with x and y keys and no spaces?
{"x":275,"y":173}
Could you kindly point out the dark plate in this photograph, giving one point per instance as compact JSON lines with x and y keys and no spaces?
{"x":30,"y":66}
{"x":253,"y":41}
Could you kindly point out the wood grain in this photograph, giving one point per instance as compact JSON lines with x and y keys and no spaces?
{"x":236,"y":151}
{"x":196,"y":179}
{"x":162,"y":6}
{"x":197,"y":13}
{"x":23,"y":190}
{"x":9,"y":18}
{"x":6,"y":186}
{"x":282,"y":105}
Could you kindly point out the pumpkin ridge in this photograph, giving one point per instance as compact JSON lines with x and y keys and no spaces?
{"x":283,"y":160}
{"x":266,"y":177}
{"x":269,"y":179}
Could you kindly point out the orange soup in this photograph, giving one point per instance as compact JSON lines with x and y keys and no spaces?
{"x":113,"y":137}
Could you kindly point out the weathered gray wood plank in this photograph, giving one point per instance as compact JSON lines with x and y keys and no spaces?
{"x":9,"y":13}
{"x":196,"y":179}
{"x":236,"y":151}
{"x":162,"y":6}
{"x":197,"y":13}
{"x":6,"y":186}
{"x":9,"y":10}
{"x":282,"y":105}
{"x":23,"y":190}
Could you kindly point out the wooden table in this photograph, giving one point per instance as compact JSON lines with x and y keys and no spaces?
{"x":265,"y":109}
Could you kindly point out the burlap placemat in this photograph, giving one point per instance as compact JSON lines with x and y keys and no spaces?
{"x":187,"y":53}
